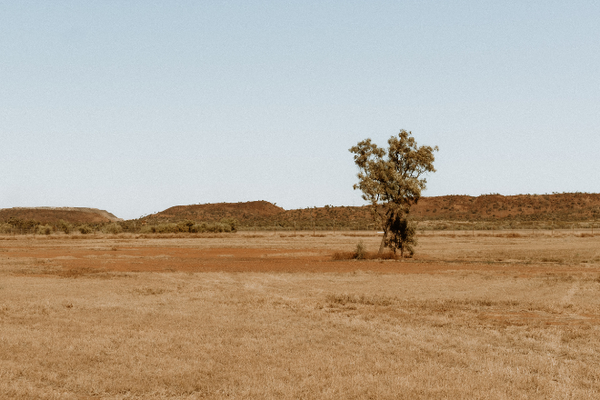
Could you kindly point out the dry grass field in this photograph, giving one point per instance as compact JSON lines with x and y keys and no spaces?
{"x":502,"y":315}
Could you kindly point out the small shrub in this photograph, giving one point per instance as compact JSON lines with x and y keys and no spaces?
{"x":185,"y":226}
{"x":44,"y":229}
{"x":148,"y":229}
{"x":230,"y":223}
{"x":64,"y":226}
{"x":85,"y":229}
{"x":361,"y":251}
{"x":6,"y":228}
{"x":23,"y":226}
{"x":166,"y":228}
{"x":113,"y":228}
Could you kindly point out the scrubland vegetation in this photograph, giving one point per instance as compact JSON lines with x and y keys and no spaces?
{"x":17,"y":226}
{"x":28,"y":227}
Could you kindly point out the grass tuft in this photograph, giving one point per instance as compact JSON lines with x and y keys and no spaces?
{"x":372,"y":300}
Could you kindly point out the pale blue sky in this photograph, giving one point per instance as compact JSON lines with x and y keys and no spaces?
{"x":136,"y":106}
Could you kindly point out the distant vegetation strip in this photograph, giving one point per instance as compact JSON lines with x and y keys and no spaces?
{"x":487,"y":212}
{"x":18,"y":226}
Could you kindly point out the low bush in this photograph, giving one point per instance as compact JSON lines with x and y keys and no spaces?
{"x":64,"y":226}
{"x":6,"y":228}
{"x":85,"y":229}
{"x":160,"y":228}
{"x":43,"y":229}
{"x":23,"y":226}
{"x":113,"y":228}
{"x":186,"y":226}
{"x":361,"y":251}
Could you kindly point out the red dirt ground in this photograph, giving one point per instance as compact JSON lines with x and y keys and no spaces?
{"x":163,"y":259}
{"x":68,"y":259}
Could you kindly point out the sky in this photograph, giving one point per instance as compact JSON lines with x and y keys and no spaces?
{"x":136,"y":106}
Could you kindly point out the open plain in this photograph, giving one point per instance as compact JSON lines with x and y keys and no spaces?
{"x":498,"y":315}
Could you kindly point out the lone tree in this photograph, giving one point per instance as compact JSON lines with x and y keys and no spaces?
{"x":391,"y":180}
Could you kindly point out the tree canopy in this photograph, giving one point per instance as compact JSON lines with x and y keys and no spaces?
{"x":391,"y":181}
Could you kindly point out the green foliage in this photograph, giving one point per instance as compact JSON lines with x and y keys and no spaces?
{"x":160,"y":228}
{"x":230,"y":224}
{"x":85,"y":229}
{"x":361,"y":251}
{"x":113,"y":228}
{"x":64,"y":226}
{"x":391,"y":180}
{"x":43,"y":229}
{"x":6,"y":228}
{"x":23,"y":225}
{"x":402,"y":236}
{"x":132,"y":225}
{"x":187,"y":226}
{"x":393,"y":177}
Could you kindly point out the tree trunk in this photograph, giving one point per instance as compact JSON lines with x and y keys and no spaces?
{"x":382,"y":245}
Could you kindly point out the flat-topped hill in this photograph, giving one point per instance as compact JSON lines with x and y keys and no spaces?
{"x":571,"y":207}
{"x":50,"y":215}
{"x":216,"y":212}
{"x":558,"y":206}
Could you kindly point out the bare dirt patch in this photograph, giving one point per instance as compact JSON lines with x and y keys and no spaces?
{"x":281,"y":253}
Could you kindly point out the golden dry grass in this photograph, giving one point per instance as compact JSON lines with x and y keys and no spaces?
{"x":526,"y":328}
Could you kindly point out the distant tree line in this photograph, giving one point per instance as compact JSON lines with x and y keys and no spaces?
{"x":18,"y":226}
